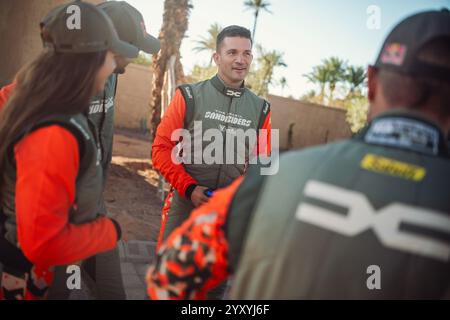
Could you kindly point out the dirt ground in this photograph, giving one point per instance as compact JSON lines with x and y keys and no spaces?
{"x":132,"y":189}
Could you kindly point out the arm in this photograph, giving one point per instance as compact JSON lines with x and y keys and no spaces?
{"x":162,"y":147}
{"x":194,"y":257}
{"x":47,"y":163}
{"x":264,"y":142}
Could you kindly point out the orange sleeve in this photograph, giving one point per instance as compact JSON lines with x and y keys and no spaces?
{"x":162,"y":147}
{"x":47,"y":163}
{"x":264,"y":142}
{"x":5,"y":92}
{"x":194,"y":259}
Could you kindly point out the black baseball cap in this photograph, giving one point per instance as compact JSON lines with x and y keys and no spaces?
{"x":401,"y":49}
{"x":130,"y":25}
{"x":50,"y":15}
{"x":95,"y":31}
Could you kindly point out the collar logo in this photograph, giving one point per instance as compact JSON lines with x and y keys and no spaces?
{"x":266,"y":107}
{"x":233,"y":93}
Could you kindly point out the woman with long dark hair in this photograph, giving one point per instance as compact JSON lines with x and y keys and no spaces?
{"x":50,"y":178}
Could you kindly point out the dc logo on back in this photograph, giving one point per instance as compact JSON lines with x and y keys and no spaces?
{"x":385,"y":222}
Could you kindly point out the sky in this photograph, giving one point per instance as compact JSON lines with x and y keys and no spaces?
{"x":306,"y":31}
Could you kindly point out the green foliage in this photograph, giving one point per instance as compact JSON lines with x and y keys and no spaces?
{"x":200,"y":73}
{"x":266,"y":63}
{"x":355,"y":77}
{"x":256,"y":6}
{"x":357,"y":107}
{"x":335,"y":77}
{"x":143,"y":59}
{"x":336,"y":73}
{"x":208,"y":43}
{"x":319,"y":76}
{"x":311,"y":96}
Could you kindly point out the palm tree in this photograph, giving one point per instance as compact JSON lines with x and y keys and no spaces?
{"x":283,"y":84}
{"x":256,"y":6}
{"x":336,"y":73}
{"x":175,"y":24}
{"x":268,"y":61}
{"x":355,"y":76}
{"x":310,"y":96}
{"x":319,"y":76}
{"x":208,"y":43}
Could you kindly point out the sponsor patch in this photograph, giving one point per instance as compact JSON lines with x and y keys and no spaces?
{"x":394,"y":53}
{"x":405,"y":134}
{"x":393,"y":167}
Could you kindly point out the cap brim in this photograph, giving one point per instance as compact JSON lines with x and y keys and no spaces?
{"x":124,"y":49}
{"x":150,"y":44}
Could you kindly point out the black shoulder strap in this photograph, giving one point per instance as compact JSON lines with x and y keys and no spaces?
{"x":115,"y":85}
{"x":67,"y":122}
{"x":188,"y":95}
{"x":264,"y":112}
{"x":11,"y":256}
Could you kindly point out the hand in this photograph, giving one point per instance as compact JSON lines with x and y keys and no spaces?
{"x":198,"y":197}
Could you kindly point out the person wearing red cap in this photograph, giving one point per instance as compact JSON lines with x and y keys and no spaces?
{"x":364,"y":218}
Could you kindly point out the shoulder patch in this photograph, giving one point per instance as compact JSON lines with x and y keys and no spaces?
{"x":266,"y":107}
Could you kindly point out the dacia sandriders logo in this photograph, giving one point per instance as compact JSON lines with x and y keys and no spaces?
{"x":233,"y":93}
{"x":97,"y":105}
{"x":385,"y":222}
{"x":229,"y":118}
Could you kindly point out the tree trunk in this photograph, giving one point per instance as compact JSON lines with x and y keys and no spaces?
{"x":175,"y":24}
{"x":332,"y":88}
{"x":254,"y":25}
{"x":322,"y":92}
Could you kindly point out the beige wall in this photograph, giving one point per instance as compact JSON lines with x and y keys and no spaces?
{"x":19,"y":33}
{"x":314,"y":124}
{"x":133,"y":97}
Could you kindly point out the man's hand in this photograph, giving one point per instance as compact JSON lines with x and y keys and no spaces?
{"x":198,"y":197}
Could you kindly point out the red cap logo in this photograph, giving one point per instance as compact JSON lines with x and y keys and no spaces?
{"x":394,"y":53}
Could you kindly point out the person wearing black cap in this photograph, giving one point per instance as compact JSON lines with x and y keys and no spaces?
{"x":104,"y":269}
{"x":51,"y":178}
{"x":370,"y":218}
{"x":365,"y":218}
{"x":130,"y":26}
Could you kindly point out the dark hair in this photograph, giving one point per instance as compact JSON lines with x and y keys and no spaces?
{"x":53,"y":83}
{"x":232,"y":31}
{"x":421,"y":92}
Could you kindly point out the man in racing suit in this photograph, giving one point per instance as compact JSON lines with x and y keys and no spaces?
{"x":221,"y":103}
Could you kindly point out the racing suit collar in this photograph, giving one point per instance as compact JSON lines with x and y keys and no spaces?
{"x":227,"y":91}
{"x":406,"y":129}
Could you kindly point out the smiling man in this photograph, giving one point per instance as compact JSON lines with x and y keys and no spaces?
{"x":234,"y":107}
